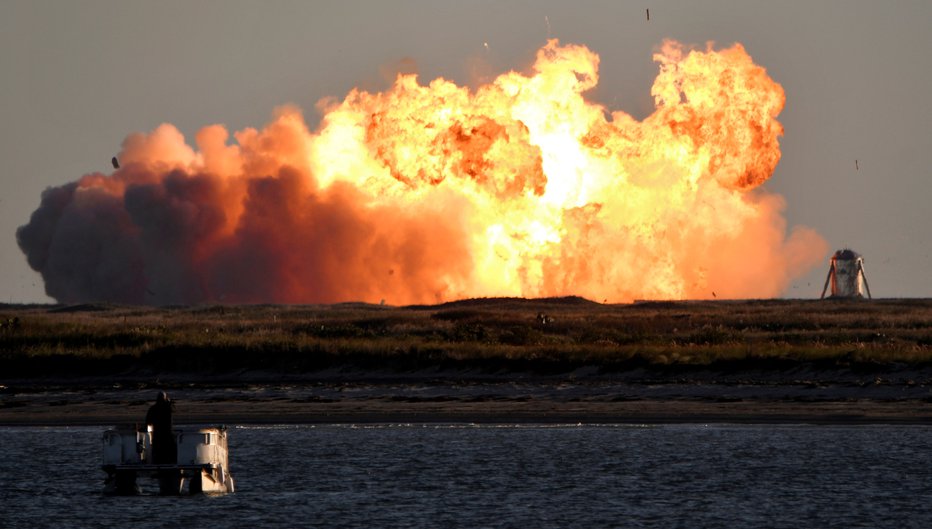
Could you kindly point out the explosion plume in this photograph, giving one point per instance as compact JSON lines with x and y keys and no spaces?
{"x":426,"y":193}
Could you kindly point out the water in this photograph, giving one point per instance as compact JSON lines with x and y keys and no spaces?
{"x":499,"y":476}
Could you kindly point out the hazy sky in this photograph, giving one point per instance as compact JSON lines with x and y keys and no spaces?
{"x":77,"y":77}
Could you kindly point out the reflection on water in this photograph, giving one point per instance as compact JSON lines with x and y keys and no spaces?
{"x":412,"y":475}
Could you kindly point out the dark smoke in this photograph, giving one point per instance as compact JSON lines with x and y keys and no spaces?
{"x":151,"y":234}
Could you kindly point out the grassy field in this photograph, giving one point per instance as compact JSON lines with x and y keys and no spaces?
{"x":485,"y":335}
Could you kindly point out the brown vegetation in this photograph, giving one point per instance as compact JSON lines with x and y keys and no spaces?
{"x":484,"y":335}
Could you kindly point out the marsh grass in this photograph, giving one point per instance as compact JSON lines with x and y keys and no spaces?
{"x":491,"y":335}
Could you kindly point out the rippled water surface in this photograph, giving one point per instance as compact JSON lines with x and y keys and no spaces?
{"x":499,"y":476}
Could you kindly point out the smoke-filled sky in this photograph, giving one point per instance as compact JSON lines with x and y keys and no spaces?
{"x":78,"y":78}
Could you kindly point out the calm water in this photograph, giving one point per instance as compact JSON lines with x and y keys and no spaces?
{"x":499,"y":476}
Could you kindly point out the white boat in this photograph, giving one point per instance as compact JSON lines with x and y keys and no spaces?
{"x":202,"y":465}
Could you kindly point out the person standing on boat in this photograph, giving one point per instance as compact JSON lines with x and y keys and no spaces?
{"x":164,"y":449}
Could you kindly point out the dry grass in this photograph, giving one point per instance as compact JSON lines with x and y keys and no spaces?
{"x":492,"y":335}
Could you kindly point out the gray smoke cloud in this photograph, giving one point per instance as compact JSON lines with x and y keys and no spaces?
{"x":153,"y":233}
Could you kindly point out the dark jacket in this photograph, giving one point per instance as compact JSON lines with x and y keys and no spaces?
{"x":164,"y":449}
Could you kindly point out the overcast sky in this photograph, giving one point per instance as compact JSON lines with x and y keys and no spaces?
{"x":77,"y":77}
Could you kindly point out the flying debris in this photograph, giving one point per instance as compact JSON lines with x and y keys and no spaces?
{"x":648,"y":14}
{"x":856,"y":165}
{"x":486,"y":44}
{"x":115,"y":162}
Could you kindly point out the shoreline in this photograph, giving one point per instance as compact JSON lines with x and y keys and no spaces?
{"x":493,"y":360}
{"x":709,"y":415}
{"x":560,"y":404}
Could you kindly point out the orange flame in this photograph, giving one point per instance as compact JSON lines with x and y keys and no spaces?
{"x":431,"y":193}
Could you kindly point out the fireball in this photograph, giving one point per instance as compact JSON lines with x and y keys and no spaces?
{"x":430,"y":192}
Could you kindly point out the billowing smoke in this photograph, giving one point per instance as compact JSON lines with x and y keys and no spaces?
{"x":422,"y":194}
